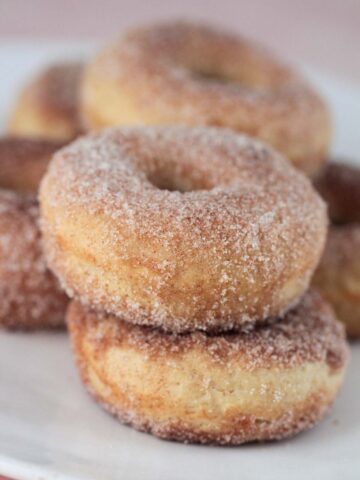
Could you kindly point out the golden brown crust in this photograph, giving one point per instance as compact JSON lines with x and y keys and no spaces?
{"x":183,"y":73}
{"x":338,"y":275}
{"x":248,"y":428}
{"x":23,"y":162}
{"x":30,"y":295}
{"x":339,"y":185}
{"x":48,"y":107}
{"x":265,"y":383}
{"x":192,"y":228}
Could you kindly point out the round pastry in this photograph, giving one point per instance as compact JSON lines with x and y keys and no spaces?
{"x":183,"y":73}
{"x":30,"y":294}
{"x":181,"y":228}
{"x":338,"y":275}
{"x":48,"y":107}
{"x":23,"y":162}
{"x":339,"y":185}
{"x":270,"y":382}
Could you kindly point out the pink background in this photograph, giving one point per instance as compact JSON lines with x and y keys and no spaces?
{"x":321,"y":33}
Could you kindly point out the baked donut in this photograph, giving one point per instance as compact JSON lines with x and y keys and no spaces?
{"x":23,"y":162}
{"x":180,"y":228}
{"x":184,"y":73}
{"x":48,"y":107}
{"x":339,"y":185}
{"x":270,"y":382}
{"x":338,"y":275}
{"x":30,"y":295}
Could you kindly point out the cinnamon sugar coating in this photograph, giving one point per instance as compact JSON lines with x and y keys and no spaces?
{"x":268,"y":382}
{"x":338,"y":275}
{"x":30,"y":295}
{"x":48,"y":107}
{"x":23,"y":162}
{"x":181,"y":228}
{"x":339,"y":185}
{"x":190,"y":74}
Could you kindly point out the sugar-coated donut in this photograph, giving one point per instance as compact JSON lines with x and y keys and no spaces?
{"x":339,"y":185}
{"x":338,"y":275}
{"x":48,"y":107}
{"x":184,"y":73}
{"x":266,"y":383}
{"x":30,"y":295}
{"x":181,"y":228}
{"x":23,"y":162}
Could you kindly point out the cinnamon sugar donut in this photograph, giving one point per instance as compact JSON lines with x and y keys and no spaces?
{"x":339,"y":185}
{"x":183,"y":73}
{"x":48,"y":107}
{"x":30,"y":294}
{"x":270,"y":382}
{"x":23,"y":162}
{"x":338,"y":275}
{"x":180,"y":228}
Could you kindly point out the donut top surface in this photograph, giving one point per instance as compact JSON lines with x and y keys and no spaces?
{"x":308,"y":333}
{"x":190,"y":74}
{"x":195,"y":175}
{"x":203,"y":56}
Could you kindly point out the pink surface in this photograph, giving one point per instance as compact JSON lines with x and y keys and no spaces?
{"x":322,"y":33}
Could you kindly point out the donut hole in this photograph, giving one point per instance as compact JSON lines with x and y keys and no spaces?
{"x":240,"y":77}
{"x":213,"y":77}
{"x":166,"y":172}
{"x":239,"y":71}
{"x":176,"y":183}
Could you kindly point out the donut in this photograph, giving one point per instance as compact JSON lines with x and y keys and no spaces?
{"x":181,"y":228}
{"x":48,"y":107}
{"x":338,"y":275}
{"x":23,"y":162}
{"x":30,"y":295}
{"x":339,"y":185}
{"x":189,"y":74}
{"x":269,"y":382}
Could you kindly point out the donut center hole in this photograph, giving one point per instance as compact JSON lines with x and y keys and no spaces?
{"x":176,"y":183}
{"x":249,"y":78}
{"x":213,"y":77}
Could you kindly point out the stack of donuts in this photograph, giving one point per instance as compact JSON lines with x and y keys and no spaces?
{"x":188,"y":252}
{"x":186,"y":232}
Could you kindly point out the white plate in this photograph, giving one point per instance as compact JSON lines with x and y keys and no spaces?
{"x":50,"y":428}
